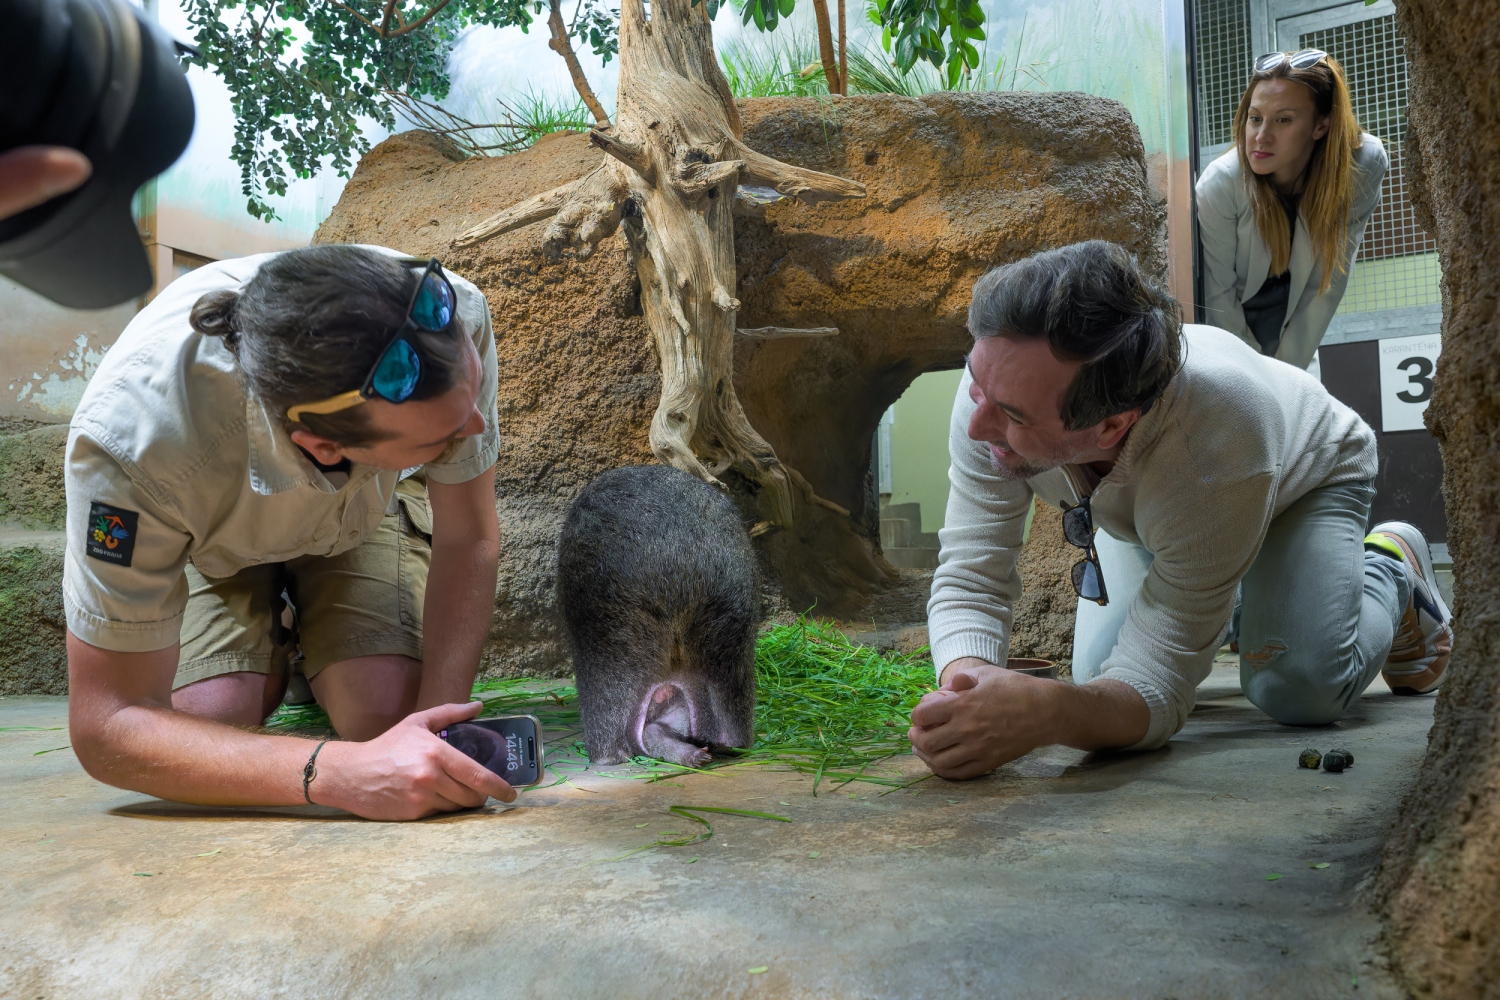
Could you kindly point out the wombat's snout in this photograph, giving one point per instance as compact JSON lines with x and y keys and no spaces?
{"x":667,"y":726}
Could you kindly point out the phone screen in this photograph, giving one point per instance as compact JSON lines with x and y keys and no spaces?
{"x":511,"y":746}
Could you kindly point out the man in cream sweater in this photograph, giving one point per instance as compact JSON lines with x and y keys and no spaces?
{"x":1209,"y":471}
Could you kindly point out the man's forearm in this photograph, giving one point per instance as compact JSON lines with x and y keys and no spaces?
{"x":129,"y":736}
{"x":181,"y":757}
{"x":460,"y":602}
{"x":456,"y":616}
{"x":1102,"y":714}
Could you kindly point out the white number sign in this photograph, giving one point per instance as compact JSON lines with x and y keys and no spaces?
{"x":1406,"y":368}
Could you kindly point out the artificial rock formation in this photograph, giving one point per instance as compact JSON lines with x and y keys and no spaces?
{"x":955,"y":184}
{"x":1440,"y":881}
{"x":32,"y":655}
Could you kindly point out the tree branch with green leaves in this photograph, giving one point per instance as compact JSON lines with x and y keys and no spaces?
{"x":303,"y":73}
{"x":943,"y":32}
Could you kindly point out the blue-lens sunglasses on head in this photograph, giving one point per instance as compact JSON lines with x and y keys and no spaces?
{"x":398,"y":366}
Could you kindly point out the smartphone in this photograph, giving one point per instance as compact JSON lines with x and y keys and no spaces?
{"x":510,"y":745}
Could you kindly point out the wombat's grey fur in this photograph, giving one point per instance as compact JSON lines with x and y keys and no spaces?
{"x":656,"y":582}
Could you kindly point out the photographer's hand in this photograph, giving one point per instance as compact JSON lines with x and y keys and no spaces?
{"x":31,"y":175}
{"x":407,"y":772}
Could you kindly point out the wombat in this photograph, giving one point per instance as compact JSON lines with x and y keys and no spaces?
{"x":656,"y":582}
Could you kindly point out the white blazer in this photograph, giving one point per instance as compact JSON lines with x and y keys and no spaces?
{"x":1236,"y":261}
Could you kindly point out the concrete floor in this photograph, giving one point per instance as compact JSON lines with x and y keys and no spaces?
{"x":1062,"y":875}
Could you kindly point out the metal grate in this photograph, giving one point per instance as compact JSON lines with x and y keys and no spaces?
{"x":1221,"y":40}
{"x":1397,"y":263}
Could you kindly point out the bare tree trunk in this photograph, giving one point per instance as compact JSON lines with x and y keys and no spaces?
{"x":669,"y":179}
{"x":843,"y":52}
{"x":563,"y":47}
{"x":825,"y":47}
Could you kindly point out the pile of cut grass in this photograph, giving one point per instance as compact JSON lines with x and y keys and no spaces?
{"x":825,"y":706}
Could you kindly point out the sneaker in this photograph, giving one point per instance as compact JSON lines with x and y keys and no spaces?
{"x":1424,"y":636}
{"x":298,"y":691}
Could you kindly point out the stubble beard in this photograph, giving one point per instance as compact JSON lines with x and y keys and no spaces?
{"x":1027,"y":469}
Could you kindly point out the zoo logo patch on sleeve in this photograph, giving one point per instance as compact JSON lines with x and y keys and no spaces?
{"x":111,"y":534}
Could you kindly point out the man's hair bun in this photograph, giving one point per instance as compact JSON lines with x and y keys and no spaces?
{"x":213,"y":314}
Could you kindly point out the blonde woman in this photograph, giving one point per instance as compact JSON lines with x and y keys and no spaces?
{"x":1282,"y":214}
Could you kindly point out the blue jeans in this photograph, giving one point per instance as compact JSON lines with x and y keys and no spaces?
{"x":1316,"y":612}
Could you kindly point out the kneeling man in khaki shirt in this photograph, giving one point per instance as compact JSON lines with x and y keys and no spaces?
{"x":263,"y":475}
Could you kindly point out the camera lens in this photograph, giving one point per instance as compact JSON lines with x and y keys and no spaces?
{"x":101,"y":78}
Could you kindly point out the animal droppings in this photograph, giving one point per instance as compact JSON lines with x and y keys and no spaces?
{"x":1335,"y":761}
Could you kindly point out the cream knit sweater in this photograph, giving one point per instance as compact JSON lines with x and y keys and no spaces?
{"x":1237,"y":439}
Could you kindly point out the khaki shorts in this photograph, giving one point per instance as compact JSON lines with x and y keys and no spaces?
{"x":364,"y":602}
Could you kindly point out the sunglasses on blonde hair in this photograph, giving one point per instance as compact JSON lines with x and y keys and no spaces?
{"x":1301,"y":59}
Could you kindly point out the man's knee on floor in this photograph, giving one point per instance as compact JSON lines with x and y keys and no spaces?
{"x":1293,"y":687}
{"x":242,"y":698}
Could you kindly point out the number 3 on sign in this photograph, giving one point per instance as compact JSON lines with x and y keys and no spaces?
{"x":1407,"y":365}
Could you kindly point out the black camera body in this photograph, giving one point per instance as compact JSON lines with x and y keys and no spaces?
{"x":97,"y":76}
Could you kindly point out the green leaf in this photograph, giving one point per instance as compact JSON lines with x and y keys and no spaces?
{"x":145,"y":874}
{"x":209,"y":854}
{"x":1272,"y":877}
{"x":1319,"y":865}
{"x":683,"y":839}
{"x":785,"y":7}
{"x":690,"y":861}
{"x":684,"y":810}
{"x":757,"y":970}
{"x":53,"y":750}
{"x":815,"y":854}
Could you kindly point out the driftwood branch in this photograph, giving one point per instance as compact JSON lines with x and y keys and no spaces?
{"x":694,"y":179}
{"x":534,"y":209}
{"x":633,"y":155}
{"x":787,"y":332}
{"x":809,"y":186}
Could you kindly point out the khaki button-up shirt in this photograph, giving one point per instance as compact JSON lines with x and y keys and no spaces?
{"x":169,"y":460}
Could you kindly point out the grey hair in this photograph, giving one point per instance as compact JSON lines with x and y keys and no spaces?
{"x":1094,"y":306}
